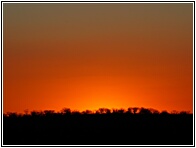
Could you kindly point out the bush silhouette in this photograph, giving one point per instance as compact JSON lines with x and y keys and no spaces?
{"x":144,"y":111}
{"x":99,"y":127}
{"x":135,"y":109}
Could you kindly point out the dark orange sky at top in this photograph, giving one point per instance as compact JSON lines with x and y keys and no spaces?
{"x":91,"y":55}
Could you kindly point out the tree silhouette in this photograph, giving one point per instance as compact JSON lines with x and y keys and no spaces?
{"x":35,"y":113}
{"x":26,"y":111}
{"x":184,"y":112}
{"x":147,"y":126}
{"x":135,"y":109}
{"x":12,"y":115}
{"x":174,"y":112}
{"x":76,"y":113}
{"x":154,"y":111}
{"x":87,"y":112}
{"x":144,"y":111}
{"x":66,"y":111}
{"x":97,"y":112}
{"x":121,"y":111}
{"x":164,"y":112}
{"x":103,"y":110}
{"x":107,"y":111}
{"x":114,"y":111}
{"x":49,"y":112}
{"x":129,"y":110}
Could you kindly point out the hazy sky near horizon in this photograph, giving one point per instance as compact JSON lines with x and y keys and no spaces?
{"x":86,"y":56}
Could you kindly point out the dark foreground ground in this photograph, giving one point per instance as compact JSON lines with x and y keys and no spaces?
{"x":99,"y":129}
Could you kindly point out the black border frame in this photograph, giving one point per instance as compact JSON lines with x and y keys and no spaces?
{"x":99,"y":2}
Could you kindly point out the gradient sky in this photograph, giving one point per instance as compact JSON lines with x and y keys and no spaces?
{"x":87,"y":56}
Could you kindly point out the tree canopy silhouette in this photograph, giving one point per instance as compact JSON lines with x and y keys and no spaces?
{"x":102,"y":126}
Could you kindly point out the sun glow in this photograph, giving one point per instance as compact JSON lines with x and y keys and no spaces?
{"x":82,"y":58}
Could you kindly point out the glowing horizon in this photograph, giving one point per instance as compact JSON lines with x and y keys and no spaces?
{"x":88,"y":56}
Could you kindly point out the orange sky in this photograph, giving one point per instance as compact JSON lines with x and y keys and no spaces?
{"x":87,"y":56}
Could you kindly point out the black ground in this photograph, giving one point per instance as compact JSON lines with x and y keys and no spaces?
{"x":98,"y":129}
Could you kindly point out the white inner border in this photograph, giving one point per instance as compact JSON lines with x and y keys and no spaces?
{"x":97,"y":2}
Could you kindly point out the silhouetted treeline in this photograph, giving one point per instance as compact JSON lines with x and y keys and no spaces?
{"x":134,"y":126}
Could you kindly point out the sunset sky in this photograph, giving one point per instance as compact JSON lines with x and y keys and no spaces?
{"x":91,"y":55}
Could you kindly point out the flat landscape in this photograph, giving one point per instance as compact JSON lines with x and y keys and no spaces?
{"x":117,"y":127}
